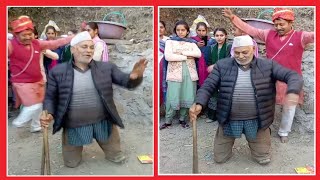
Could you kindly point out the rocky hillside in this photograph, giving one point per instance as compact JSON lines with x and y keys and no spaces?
{"x":304,"y":16}
{"x":139,"y":19}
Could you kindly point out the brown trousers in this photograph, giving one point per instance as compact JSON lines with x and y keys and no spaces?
{"x":72,"y":155}
{"x":260,"y":147}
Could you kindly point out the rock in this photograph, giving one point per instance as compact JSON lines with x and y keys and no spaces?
{"x":146,"y":52}
{"x":121,"y":48}
{"x":128,"y":94}
{"x":118,"y":41}
{"x":134,"y":106}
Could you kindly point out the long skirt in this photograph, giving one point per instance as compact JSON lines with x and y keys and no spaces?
{"x":181,"y":94}
{"x":29,"y":94}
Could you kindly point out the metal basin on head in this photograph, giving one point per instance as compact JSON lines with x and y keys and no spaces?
{"x":259,"y":23}
{"x":110,"y":30}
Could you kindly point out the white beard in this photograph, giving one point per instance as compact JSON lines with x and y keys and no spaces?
{"x":243,"y":63}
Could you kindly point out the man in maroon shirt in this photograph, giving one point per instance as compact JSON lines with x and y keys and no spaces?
{"x":284,"y":45}
{"x":27,"y":81}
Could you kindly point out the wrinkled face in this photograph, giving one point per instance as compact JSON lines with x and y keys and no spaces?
{"x":162,"y":29}
{"x":83,"y":52}
{"x":244,"y":54}
{"x":25,"y":37}
{"x":51,"y":35}
{"x":282,"y":26}
{"x":220,"y":37}
{"x":92,"y":32}
{"x":236,"y":31}
{"x":181,"y":31}
{"x":201,"y":31}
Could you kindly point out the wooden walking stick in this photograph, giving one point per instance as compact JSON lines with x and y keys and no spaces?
{"x":43,"y":158}
{"x":45,"y":161}
{"x":195,"y":169}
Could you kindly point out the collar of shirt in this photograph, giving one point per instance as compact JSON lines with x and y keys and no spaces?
{"x":79,"y":69}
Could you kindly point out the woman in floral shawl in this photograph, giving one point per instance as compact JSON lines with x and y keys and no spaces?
{"x":180,"y":52}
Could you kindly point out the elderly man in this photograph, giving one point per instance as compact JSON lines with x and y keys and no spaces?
{"x":24,"y":54}
{"x":79,"y":98}
{"x":285,"y":46}
{"x":246,"y":101}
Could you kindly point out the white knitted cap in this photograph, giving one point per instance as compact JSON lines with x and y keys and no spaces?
{"x":245,"y":40}
{"x":83,"y":36}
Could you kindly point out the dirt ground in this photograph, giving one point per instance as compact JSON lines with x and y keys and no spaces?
{"x":175,"y":156}
{"x":25,"y":148}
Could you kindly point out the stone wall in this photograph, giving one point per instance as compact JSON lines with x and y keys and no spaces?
{"x":139,"y":19}
{"x":134,"y":106}
{"x":305,"y":114}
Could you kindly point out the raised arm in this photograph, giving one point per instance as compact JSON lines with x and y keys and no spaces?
{"x":54,"y":44}
{"x":252,"y":31}
{"x":131,"y":80}
{"x":50,"y":54}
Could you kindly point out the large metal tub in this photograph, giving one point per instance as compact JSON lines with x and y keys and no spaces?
{"x":110,"y":30}
{"x":259,"y":23}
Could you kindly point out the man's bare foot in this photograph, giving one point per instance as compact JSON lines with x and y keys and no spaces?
{"x":284,"y":139}
{"x":265,"y":161}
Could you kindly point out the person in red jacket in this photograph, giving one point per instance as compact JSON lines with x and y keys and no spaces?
{"x":285,"y":46}
{"x":27,"y":81}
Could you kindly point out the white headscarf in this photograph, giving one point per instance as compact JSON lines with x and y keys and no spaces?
{"x":51,"y":23}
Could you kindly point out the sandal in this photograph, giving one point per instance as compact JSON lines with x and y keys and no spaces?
{"x":184,"y":124}
{"x":165,"y":125}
